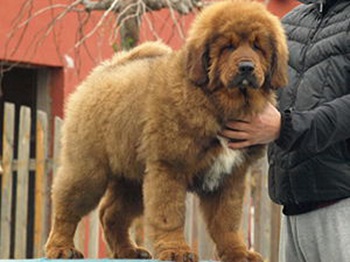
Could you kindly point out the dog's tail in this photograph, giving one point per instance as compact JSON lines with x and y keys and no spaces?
{"x":143,"y":51}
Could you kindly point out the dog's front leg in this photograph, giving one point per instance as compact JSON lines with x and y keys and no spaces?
{"x":164,"y":201}
{"x":222,"y":212}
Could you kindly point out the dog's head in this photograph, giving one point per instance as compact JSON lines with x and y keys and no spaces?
{"x":237,"y":52}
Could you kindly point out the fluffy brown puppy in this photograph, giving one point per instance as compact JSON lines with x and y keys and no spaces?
{"x":142,"y":131}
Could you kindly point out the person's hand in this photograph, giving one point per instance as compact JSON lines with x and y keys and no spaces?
{"x":258,"y":129}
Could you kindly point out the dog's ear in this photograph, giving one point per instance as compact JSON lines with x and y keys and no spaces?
{"x":279,"y":68}
{"x":197,"y":64}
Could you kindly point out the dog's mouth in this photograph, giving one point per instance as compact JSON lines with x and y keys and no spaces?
{"x":242,"y":82}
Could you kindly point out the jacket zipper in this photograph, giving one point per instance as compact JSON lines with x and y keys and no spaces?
{"x":321,"y":7}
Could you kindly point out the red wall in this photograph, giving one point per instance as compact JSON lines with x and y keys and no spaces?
{"x":39,"y":45}
{"x":27,"y":45}
{"x":281,"y":7}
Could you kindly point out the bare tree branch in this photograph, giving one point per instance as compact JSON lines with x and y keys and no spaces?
{"x":181,"y":6}
{"x":99,"y":24}
{"x":125,"y":16}
{"x":129,"y":13}
{"x":100,"y":5}
{"x":49,"y":8}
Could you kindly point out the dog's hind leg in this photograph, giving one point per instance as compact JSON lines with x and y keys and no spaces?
{"x":76,"y":191}
{"x":119,"y":207}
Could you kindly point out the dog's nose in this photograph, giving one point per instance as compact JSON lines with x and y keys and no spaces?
{"x":246,"y":67}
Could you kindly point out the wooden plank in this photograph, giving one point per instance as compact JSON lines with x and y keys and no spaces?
{"x":7,"y":179}
{"x":57,"y":144}
{"x":275,"y":231}
{"x":262,"y":210}
{"x":41,"y":185}
{"x":196,"y":213}
{"x":93,"y":244}
{"x":265,"y":210}
{"x":189,"y":219}
{"x":22,"y":183}
{"x":245,"y":220}
{"x":206,"y":250}
{"x":80,"y":235}
{"x":32,"y":165}
{"x":85,"y":260}
{"x":58,"y":122}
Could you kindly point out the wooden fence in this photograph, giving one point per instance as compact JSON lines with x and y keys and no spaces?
{"x":25,"y":220}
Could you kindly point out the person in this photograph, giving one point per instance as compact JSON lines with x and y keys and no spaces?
{"x":309,"y":135}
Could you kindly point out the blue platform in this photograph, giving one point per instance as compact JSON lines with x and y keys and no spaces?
{"x":87,"y":259}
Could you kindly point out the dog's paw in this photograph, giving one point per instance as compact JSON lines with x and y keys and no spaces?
{"x":64,"y":253}
{"x":254,"y":257}
{"x":178,"y":256}
{"x":133,"y":253}
{"x":249,"y":256}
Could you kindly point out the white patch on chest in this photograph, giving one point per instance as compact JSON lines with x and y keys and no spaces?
{"x":222,"y":166}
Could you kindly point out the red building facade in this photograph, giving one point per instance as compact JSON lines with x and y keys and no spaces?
{"x":47,"y":47}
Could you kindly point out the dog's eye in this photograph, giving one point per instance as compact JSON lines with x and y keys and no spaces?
{"x":257,"y":47}
{"x":229,"y":47}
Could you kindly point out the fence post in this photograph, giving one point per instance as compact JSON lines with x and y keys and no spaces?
{"x":94,"y":228}
{"x":189,"y":221}
{"x":7,"y":180}
{"x":246,"y":211}
{"x":262,"y":241}
{"x":206,"y":247}
{"x":41,"y":185}
{"x":275,"y":231}
{"x":22,"y":183}
{"x":57,"y":145}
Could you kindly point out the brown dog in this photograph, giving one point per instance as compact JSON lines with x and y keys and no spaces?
{"x":142,"y":131}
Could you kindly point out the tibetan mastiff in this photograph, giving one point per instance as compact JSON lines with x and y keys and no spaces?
{"x":142,"y":131}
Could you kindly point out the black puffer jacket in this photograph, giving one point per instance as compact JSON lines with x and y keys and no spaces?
{"x":310,"y":162}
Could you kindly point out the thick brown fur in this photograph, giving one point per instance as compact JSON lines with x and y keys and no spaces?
{"x":142,"y":130}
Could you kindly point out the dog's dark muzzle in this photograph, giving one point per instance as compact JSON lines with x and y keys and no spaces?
{"x":245,"y":78}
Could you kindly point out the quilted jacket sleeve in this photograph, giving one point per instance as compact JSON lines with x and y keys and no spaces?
{"x":316,"y":129}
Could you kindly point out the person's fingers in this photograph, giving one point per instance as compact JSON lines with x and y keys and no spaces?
{"x":229,"y":134}
{"x":234,"y":125}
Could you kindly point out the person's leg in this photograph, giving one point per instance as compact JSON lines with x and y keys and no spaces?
{"x":324,"y":234}
{"x":289,"y":251}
